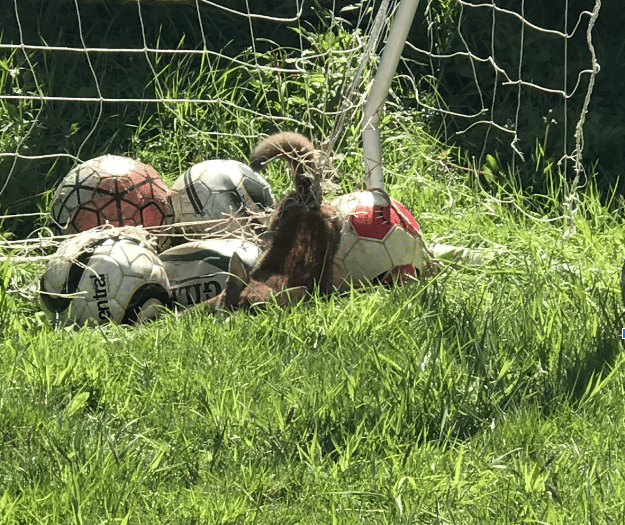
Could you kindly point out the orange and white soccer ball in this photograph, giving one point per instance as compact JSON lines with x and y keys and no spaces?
{"x":113,"y":190}
{"x":381,"y":241}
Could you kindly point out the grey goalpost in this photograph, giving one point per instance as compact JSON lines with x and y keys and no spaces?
{"x":372,"y":147}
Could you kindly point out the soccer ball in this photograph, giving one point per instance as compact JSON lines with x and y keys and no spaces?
{"x":219,"y":195}
{"x":380,"y":241}
{"x":110,"y":190}
{"x":198,"y":270}
{"x":104,"y":275}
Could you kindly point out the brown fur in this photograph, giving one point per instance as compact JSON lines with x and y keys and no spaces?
{"x":304,"y":232}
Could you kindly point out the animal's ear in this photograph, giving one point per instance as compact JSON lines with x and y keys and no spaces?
{"x":238,"y":277}
{"x":290,"y":295}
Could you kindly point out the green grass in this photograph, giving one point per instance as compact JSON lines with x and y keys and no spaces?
{"x":489,"y":395}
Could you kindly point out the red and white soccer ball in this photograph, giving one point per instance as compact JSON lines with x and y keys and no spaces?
{"x":380,"y":241}
{"x":113,"y":190}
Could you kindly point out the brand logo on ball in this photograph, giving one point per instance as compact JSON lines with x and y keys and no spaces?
{"x":100,"y":294}
{"x":195,"y":292}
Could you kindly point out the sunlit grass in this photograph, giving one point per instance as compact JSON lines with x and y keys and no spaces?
{"x":490,"y":394}
{"x":485,"y":395}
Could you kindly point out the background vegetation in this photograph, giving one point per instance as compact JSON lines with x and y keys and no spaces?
{"x":483,"y":395}
{"x":55,"y":127}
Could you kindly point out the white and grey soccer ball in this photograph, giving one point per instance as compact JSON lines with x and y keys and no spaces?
{"x":112,"y":275}
{"x":219,"y":195}
{"x":198,"y":270}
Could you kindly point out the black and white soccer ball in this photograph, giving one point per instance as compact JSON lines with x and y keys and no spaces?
{"x":219,"y":196}
{"x":198,"y":270}
{"x":99,"y":276}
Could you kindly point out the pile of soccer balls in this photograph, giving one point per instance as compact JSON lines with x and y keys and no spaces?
{"x":123,"y":270}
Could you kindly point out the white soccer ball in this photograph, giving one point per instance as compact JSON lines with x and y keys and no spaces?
{"x":380,"y":241}
{"x":212,"y":195}
{"x":111,"y":275}
{"x":198,"y":270}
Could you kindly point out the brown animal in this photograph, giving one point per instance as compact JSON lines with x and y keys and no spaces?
{"x":304,"y":232}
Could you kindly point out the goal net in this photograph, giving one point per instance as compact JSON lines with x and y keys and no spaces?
{"x":176,"y":82}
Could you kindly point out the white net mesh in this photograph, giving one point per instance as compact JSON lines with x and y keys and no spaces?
{"x":174,"y":83}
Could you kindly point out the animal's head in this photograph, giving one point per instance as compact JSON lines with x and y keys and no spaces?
{"x":244,"y":293}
